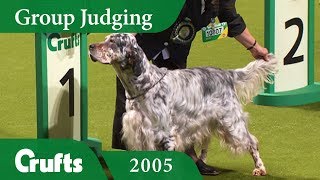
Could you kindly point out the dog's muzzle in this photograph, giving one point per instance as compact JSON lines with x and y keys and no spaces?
{"x":91,"y":47}
{"x":93,"y":58}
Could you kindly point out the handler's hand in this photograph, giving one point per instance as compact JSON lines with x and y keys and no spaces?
{"x":259,"y":52}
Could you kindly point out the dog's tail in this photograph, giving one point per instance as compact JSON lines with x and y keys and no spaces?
{"x":250,"y":79}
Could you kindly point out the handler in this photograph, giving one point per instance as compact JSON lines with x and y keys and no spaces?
{"x":170,"y":48}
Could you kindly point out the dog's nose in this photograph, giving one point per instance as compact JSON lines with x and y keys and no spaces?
{"x":91,"y":46}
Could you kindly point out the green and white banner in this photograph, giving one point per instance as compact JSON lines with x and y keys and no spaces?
{"x":156,"y":165}
{"x":88,"y":15}
{"x":48,"y":159}
{"x":67,"y":160}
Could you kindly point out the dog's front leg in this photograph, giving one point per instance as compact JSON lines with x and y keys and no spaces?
{"x":169,"y":143}
{"x":204,"y":149}
{"x":137,"y":132}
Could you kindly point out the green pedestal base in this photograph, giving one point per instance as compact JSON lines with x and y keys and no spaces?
{"x":306,"y":95}
{"x":95,"y":145}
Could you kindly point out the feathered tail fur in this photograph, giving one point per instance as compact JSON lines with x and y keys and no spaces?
{"x":250,"y":80}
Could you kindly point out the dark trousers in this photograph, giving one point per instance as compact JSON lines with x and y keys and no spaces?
{"x":177,"y":60}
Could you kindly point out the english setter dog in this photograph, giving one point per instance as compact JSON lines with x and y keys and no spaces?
{"x":174,"y":110}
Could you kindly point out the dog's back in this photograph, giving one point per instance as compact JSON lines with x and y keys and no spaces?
{"x":197,"y":84}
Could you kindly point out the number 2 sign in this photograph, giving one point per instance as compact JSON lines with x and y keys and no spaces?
{"x":61,"y":85}
{"x":291,"y":44}
{"x":289,"y":34}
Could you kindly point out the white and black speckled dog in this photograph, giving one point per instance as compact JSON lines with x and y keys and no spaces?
{"x":173,"y":110}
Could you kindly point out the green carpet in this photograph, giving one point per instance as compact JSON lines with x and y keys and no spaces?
{"x":289,"y":136}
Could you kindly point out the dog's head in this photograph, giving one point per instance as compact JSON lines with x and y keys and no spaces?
{"x":118,"y":49}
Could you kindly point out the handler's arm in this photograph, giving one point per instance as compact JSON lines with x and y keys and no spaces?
{"x":248,"y":41}
{"x":228,"y":13}
{"x":239,"y":30}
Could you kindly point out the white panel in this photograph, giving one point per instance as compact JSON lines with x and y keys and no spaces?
{"x":61,"y":125}
{"x":291,"y":76}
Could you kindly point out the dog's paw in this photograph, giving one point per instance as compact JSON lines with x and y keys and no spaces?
{"x":170,"y":144}
{"x":259,"y":172}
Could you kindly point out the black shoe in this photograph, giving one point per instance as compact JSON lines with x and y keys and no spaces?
{"x":206,"y":169}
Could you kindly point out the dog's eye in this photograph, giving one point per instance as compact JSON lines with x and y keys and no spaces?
{"x":111,"y":40}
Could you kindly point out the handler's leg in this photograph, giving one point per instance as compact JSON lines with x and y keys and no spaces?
{"x":203,"y":168}
{"x":117,"y":120}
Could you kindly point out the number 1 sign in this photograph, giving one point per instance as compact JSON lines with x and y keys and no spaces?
{"x":289,"y":34}
{"x":61,"y":85}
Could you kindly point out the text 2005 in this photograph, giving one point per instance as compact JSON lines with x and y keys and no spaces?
{"x":155,"y":165}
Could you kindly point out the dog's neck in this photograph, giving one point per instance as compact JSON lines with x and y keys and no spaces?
{"x":141,"y":78}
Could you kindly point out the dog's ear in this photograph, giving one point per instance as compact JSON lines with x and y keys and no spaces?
{"x":133,"y":59}
{"x":132,"y":48}
{"x":129,"y":59}
{"x":131,"y":54}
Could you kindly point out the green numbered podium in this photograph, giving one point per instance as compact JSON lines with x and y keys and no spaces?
{"x":289,"y":34}
{"x":61,"y":80}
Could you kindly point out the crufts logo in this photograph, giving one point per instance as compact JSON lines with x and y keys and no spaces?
{"x":46,"y":165}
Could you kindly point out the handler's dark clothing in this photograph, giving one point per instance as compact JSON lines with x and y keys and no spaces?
{"x":153,"y":43}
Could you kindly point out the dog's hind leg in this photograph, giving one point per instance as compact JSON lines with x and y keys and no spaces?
{"x":235,"y":133}
{"x":251,"y":144}
{"x":259,"y":170}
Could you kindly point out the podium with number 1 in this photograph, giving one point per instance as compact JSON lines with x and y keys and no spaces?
{"x":61,"y":80}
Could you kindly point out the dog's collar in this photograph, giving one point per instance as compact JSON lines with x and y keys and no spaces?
{"x":143,"y":93}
